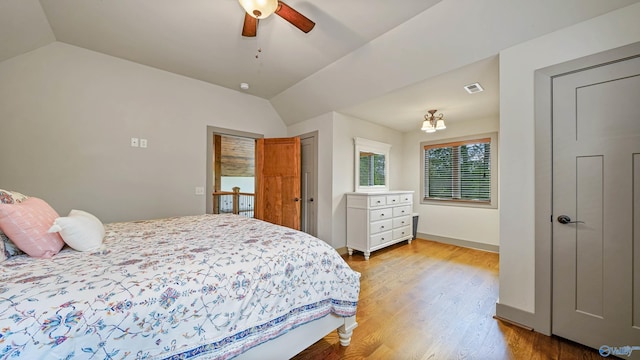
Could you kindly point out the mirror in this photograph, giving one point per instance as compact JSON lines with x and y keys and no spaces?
{"x":371,"y":165}
{"x":372,"y":169}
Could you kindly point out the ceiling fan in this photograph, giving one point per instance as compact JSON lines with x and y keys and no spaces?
{"x":260,"y":9}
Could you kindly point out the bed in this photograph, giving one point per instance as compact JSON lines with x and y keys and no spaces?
{"x":206,"y":287}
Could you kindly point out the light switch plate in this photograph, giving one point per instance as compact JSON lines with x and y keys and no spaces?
{"x":199,"y":190}
{"x":134,"y":142}
{"x":143,"y":143}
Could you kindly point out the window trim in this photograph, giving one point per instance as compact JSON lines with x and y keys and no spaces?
{"x":425,"y":145}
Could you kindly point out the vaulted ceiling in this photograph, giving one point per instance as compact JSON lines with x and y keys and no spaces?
{"x":383,"y":61}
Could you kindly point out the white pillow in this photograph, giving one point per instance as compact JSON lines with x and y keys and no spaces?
{"x":95,"y":220}
{"x":80,"y":230}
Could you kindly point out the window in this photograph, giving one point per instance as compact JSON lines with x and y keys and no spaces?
{"x":460,"y":171}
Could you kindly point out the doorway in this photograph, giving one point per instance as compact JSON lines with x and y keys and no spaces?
{"x":239,"y":169}
{"x":596,"y":150}
{"x":587,"y":203}
{"x":234,"y":175}
{"x":308,"y":180}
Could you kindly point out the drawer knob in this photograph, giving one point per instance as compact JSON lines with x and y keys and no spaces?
{"x":382,"y":227}
{"x":381,"y":238}
{"x":381,"y":214}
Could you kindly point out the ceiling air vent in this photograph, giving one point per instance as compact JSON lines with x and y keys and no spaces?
{"x":473,"y":88}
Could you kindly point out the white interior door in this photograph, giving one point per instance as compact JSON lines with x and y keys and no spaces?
{"x":596,"y":185}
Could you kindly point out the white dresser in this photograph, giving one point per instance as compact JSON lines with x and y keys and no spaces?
{"x":378,"y":219}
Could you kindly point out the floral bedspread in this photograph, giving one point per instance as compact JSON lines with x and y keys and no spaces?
{"x":208,"y":286}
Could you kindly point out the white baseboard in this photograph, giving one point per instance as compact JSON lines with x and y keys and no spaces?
{"x":458,"y":242}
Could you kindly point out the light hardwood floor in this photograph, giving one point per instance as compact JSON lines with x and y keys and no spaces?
{"x":427,"y":300}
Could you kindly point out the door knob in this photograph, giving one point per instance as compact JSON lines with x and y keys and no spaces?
{"x":296,"y":199}
{"x":564,"y":219}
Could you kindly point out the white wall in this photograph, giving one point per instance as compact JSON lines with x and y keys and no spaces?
{"x":479,"y":225}
{"x":517,"y":195}
{"x":336,"y":166}
{"x":345,"y":128}
{"x":67,"y":115}
{"x":336,"y":176}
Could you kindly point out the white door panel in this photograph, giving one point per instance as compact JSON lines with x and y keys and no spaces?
{"x":596,"y":260}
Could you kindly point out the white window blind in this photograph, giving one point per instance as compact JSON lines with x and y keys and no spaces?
{"x":458,"y":171}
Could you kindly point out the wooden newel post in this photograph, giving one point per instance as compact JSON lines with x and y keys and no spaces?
{"x":216,"y":203}
{"x":236,"y":200}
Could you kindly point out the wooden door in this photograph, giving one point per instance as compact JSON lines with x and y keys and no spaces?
{"x":596,"y":206}
{"x":278,"y":181}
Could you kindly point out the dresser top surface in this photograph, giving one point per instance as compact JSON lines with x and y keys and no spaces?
{"x":381,"y":193}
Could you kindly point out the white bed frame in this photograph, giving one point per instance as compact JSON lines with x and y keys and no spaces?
{"x":291,"y":343}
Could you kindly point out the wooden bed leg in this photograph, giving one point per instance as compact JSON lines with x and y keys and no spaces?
{"x":345,"y":331}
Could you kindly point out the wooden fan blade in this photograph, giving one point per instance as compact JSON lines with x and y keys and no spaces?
{"x":295,"y":18}
{"x":250,"y":27}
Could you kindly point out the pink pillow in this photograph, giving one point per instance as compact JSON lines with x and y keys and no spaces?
{"x":26,"y":224}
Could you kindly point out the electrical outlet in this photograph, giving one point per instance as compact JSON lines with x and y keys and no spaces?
{"x":143,"y":143}
{"x":134,"y":142}
{"x":199,"y":190}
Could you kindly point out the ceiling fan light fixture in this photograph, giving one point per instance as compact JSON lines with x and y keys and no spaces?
{"x":259,"y":9}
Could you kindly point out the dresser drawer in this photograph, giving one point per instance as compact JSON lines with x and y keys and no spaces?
{"x":393,"y":199}
{"x":402,"y":232}
{"x":377,"y":201}
{"x":381,"y":214}
{"x":380,"y":226}
{"x":401,"y":210}
{"x":401,"y":221}
{"x":406,"y":198}
{"x":381,"y":238}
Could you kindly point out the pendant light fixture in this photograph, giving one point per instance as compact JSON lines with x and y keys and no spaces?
{"x":432,"y":122}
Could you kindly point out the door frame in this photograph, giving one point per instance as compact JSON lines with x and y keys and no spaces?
{"x":212,"y":130}
{"x":541,"y":320}
{"x":314,"y":135}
